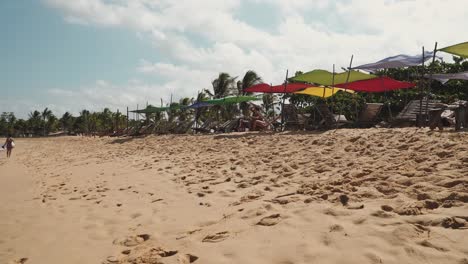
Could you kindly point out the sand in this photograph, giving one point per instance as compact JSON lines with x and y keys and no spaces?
{"x":346,"y":196}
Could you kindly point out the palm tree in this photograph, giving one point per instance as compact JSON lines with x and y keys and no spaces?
{"x":66,"y":121}
{"x":106,"y":118}
{"x":250,"y":78}
{"x":45,"y":115}
{"x":84,"y":115}
{"x":268,"y":103}
{"x":93,"y":122}
{"x":51,"y":124}
{"x":224,"y":85}
{"x":21,"y":127}
{"x":35,"y":122}
{"x":184,"y":112}
{"x":202,"y":112}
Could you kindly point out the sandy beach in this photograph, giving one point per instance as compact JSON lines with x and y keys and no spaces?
{"x":345,"y":196}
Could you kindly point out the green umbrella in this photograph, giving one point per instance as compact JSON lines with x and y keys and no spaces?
{"x":323,"y":77}
{"x":150,"y":109}
{"x":231,"y":100}
{"x":458,"y":49}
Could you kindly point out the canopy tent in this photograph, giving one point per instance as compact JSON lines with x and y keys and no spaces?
{"x":377,"y":85}
{"x":458,"y":49}
{"x":230,"y":100}
{"x":323,"y":77}
{"x":398,"y":61}
{"x":323,"y":92}
{"x":150,"y":109}
{"x":443,"y":78}
{"x":266,"y":88}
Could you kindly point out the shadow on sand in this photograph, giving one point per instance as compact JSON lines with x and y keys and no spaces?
{"x":122,"y":140}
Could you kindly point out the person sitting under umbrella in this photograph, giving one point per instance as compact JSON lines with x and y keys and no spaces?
{"x":257,"y":121}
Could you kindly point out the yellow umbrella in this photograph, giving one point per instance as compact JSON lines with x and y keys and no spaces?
{"x":323,"y":92}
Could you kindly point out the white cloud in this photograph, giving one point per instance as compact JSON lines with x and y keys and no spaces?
{"x":202,"y":38}
{"x":104,"y":94}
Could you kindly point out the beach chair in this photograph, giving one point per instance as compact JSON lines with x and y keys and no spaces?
{"x":163,"y":127}
{"x":148,"y":129}
{"x":435,"y":118}
{"x":141,"y":129}
{"x":328,"y":119}
{"x":228,"y":126}
{"x":459,"y":110}
{"x":368,"y":116}
{"x":119,"y":132}
{"x":129,"y":131}
{"x":206,"y":127}
{"x":292,"y":119}
{"x":411,"y":113}
{"x":182,"y":127}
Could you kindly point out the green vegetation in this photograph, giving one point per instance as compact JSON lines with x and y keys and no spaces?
{"x":44,"y":122}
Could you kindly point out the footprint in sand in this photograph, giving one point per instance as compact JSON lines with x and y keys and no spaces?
{"x":135,"y":215}
{"x":382,"y":214}
{"x":187,"y":258}
{"x":270,"y":220}
{"x":409,"y":210}
{"x":454,"y":222}
{"x":19,"y":261}
{"x":426,"y":243}
{"x":215,"y":238}
{"x":131,"y":241}
{"x":147,"y":255}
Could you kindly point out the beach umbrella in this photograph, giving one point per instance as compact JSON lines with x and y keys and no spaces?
{"x":443,"y":78}
{"x":458,"y":49}
{"x":230,"y":100}
{"x":200,"y":105}
{"x":398,"y":61}
{"x":150,"y":109}
{"x":266,"y":88}
{"x":153,"y":109}
{"x":323,"y":77}
{"x":376,"y":85}
{"x":323,"y":92}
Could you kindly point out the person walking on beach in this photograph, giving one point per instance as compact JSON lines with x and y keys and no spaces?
{"x":9,"y":145}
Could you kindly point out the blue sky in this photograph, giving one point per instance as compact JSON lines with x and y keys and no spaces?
{"x":40,"y":52}
{"x":70,"y":55}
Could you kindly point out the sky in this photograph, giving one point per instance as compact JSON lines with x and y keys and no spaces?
{"x":90,"y":54}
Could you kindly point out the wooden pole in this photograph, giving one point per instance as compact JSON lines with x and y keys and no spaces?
{"x":347,"y":79}
{"x":117,"y":120}
{"x":197,"y":112}
{"x":333,"y":91}
{"x":323,"y":96}
{"x":382,"y":82}
{"x":127,"y":118}
{"x":282,"y":104}
{"x":421,"y":90}
{"x":349,"y":71}
{"x":431,"y":67}
{"x":169,"y":110}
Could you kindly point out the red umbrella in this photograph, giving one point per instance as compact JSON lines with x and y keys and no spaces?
{"x":377,"y":85}
{"x":266,"y":88}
